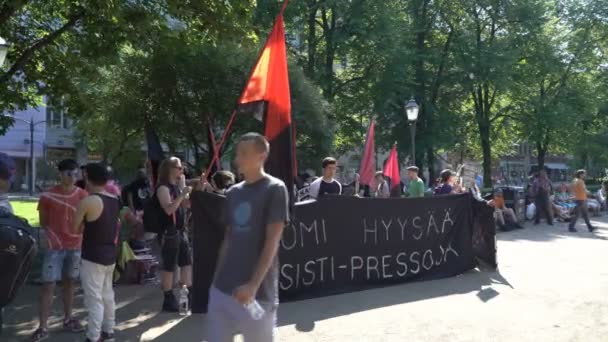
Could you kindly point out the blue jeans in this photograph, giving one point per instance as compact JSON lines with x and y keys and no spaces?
{"x":59,"y":264}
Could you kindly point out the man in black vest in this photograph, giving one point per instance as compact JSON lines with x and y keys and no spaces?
{"x":98,"y":215}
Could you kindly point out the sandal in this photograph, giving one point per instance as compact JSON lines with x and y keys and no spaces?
{"x":73,"y":325}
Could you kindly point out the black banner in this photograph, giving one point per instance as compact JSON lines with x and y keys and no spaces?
{"x":344,"y":244}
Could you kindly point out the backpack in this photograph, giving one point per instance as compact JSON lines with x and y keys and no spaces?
{"x":17,"y":252}
{"x":155,"y":219}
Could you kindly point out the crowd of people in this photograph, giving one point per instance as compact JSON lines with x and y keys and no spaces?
{"x":87,"y":215}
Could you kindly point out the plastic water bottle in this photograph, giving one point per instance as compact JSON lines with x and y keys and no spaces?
{"x":255,"y":310}
{"x":184,"y":306}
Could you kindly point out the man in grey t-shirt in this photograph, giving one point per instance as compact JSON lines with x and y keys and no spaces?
{"x":248,"y":268}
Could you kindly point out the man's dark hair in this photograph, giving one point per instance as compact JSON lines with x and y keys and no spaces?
{"x":259,"y":141}
{"x":413,"y":169}
{"x":97,"y":174}
{"x":329,"y":161}
{"x":223,"y":179}
{"x":67,"y":165}
{"x":579,"y":173}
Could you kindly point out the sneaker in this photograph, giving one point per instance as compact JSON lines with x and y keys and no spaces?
{"x":170,"y":304}
{"x":39,"y":335}
{"x":73,"y":325}
{"x":106,"y":337}
{"x":572,"y":230}
{"x":592,"y":229}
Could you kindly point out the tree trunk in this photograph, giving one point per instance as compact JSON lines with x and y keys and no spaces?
{"x":542,"y":152}
{"x":312,"y":38}
{"x":430,"y":160}
{"x":484,"y":135}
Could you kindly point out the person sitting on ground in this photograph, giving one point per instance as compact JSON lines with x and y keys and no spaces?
{"x":563,"y":204}
{"x":326,"y":185}
{"x":382,"y":191}
{"x":601,"y":194}
{"x":505,"y":217}
{"x":446,"y":184}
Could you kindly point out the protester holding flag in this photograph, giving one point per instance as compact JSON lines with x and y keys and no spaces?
{"x":326,"y":185}
{"x":383,"y":189}
{"x":248,"y":269}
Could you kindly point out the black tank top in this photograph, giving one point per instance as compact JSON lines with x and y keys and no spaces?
{"x":178,"y":223}
{"x":100,"y":237}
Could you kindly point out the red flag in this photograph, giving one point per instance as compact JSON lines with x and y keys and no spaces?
{"x":267,"y":94}
{"x":391,"y":169}
{"x":367,"y":170}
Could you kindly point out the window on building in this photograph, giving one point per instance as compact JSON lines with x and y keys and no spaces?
{"x":55,"y":117}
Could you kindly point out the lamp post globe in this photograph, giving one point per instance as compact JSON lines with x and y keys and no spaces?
{"x":411,"y":109}
{"x":3,"y":51}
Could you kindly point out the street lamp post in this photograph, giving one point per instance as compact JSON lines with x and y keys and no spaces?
{"x":3,"y":50}
{"x":32,"y":125}
{"x":411,"y":110}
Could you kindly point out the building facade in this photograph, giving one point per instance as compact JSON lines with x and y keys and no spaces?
{"x":53,"y":141}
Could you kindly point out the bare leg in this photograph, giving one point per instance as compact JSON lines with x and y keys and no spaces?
{"x":46,"y":300}
{"x":186,"y":275}
{"x":68,"y":297}
{"x":166,"y":280}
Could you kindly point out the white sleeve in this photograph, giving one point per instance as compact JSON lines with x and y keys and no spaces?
{"x":314,"y":188}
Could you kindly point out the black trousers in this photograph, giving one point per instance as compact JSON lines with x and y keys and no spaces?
{"x":543,"y":206}
{"x":580,"y":209}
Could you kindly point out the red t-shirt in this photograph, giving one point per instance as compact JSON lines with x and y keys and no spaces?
{"x":60,"y":208}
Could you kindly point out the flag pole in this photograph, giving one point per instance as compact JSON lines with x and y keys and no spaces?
{"x":226,"y":133}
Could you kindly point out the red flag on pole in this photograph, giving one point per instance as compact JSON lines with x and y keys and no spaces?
{"x":267,"y":95}
{"x":391,"y":169}
{"x":367,"y":170}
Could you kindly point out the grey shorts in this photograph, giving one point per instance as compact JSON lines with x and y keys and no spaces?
{"x":228,"y":317}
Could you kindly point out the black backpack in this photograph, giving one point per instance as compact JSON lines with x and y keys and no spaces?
{"x":17,"y":252}
{"x":155,"y":219}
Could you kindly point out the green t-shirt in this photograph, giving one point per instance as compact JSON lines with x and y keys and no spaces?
{"x":416,"y":188}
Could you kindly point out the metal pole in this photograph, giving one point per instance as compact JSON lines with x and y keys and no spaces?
{"x":31,"y":180}
{"x":508,"y":172}
{"x":413,"y":135}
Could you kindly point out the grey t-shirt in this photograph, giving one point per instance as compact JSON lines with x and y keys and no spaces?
{"x":249,"y":209}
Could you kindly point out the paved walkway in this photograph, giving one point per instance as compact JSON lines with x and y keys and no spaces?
{"x":551,"y":286}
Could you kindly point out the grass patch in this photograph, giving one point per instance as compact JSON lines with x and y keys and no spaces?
{"x":28,"y":210}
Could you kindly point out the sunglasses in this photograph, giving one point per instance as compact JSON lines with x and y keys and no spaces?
{"x":72,"y":174}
